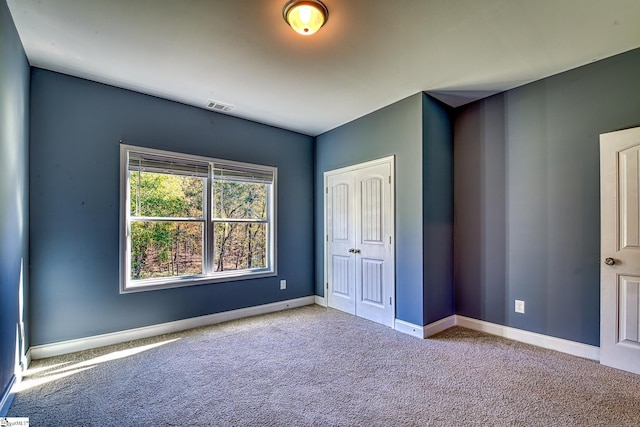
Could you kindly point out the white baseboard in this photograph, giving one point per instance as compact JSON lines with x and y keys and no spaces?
{"x":65,"y":347}
{"x":545,"y":341}
{"x":540,"y":340}
{"x":408,"y":328}
{"x":27,"y":360}
{"x":426,"y":330}
{"x":7,"y":397}
{"x":439,"y":326}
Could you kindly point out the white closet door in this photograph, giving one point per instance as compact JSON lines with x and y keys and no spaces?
{"x":374,"y":256}
{"x":341,"y":241}
{"x":360,"y":262}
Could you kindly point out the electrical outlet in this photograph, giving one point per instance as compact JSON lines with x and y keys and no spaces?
{"x":519,"y":306}
{"x":283,"y":284}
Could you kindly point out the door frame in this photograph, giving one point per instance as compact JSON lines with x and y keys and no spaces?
{"x":392,"y":197}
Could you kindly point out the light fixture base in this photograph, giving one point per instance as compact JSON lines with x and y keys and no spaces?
{"x":305,"y":16}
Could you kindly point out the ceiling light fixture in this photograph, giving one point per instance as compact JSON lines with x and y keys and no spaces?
{"x":305,"y":16}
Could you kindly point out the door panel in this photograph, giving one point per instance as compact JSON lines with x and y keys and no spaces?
{"x":629,"y":218}
{"x":620,"y":250}
{"x":340,"y":201}
{"x":628,"y":319}
{"x":371,"y":212}
{"x":341,"y":272}
{"x":372,"y":283}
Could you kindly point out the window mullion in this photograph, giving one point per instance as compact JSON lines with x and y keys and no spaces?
{"x":163,"y":219}
{"x":270,"y":255}
{"x":209,"y":242}
{"x":248,"y":221}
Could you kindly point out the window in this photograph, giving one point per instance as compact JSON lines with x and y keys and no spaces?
{"x":188,"y":219}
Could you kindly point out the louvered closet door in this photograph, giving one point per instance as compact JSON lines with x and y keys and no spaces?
{"x":360,"y":257}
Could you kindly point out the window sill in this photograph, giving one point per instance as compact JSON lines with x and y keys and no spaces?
{"x":179,"y":282}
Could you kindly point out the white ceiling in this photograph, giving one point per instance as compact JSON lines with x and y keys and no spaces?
{"x":370,"y":53}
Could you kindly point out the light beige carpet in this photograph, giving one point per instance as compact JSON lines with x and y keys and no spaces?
{"x":319,"y":367}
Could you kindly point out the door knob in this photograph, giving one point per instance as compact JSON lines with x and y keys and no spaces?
{"x":356,"y":251}
{"x":609,"y":261}
{"x":352,"y":250}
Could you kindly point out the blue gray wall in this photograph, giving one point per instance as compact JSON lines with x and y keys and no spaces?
{"x":527,"y":198}
{"x":417,"y":131}
{"x":437,"y":207}
{"x":14,"y":208}
{"x":76,"y":126}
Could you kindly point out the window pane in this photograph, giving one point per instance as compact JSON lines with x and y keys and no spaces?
{"x":240,"y":245}
{"x":239,"y":200}
{"x":163,"y":195}
{"x":164,"y":249}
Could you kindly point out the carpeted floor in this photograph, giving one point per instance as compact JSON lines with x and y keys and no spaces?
{"x":320,"y":367}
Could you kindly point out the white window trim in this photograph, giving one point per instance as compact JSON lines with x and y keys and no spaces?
{"x":128,"y":286}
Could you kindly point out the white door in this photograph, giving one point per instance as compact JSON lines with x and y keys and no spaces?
{"x":341,"y":238}
{"x":620,"y":250}
{"x":360,"y":257}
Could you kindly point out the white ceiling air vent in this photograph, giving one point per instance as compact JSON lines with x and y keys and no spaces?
{"x":219,"y":106}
